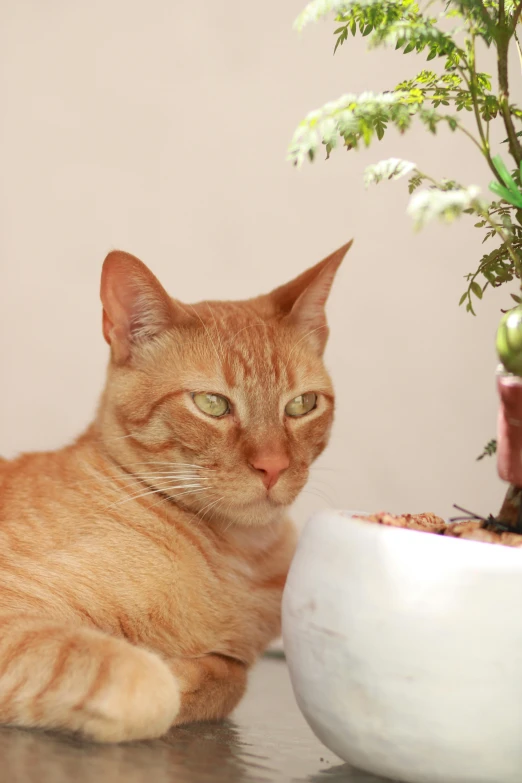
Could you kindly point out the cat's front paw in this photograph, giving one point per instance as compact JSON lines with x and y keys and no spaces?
{"x":139,"y":700}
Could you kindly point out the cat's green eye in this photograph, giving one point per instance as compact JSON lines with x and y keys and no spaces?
{"x":211,"y":404}
{"x":301,"y":405}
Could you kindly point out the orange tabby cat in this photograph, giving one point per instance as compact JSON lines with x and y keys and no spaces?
{"x":141,"y":568}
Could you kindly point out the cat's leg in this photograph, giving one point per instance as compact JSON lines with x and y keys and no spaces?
{"x":76,"y":679}
{"x":211,"y":686}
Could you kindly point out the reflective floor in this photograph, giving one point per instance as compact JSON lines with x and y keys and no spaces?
{"x":267,"y":740}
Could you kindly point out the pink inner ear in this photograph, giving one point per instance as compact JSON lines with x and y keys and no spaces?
{"x":135,"y":305}
{"x":286,"y":296}
{"x":106,"y":327}
{"x":308,"y":311}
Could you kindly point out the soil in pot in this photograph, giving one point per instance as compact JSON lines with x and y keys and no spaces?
{"x":472,"y":530}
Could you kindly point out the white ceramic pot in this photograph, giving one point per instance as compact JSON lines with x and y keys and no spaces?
{"x":405,"y":650}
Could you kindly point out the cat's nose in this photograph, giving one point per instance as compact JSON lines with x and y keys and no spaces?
{"x":270,"y":468}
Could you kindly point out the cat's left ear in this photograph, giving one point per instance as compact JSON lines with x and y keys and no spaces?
{"x":136,"y":307}
{"x":303,"y":299}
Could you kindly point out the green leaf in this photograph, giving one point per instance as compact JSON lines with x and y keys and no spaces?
{"x":463,"y":298}
{"x":507,"y":195}
{"x":502,"y":169}
{"x":477,"y":290}
{"x":414,"y":31}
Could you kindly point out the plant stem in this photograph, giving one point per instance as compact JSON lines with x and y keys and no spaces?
{"x":430,"y":179}
{"x":475,"y":141}
{"x":510,"y":511}
{"x":471,"y":85}
{"x":516,"y":14}
{"x":503,"y":38}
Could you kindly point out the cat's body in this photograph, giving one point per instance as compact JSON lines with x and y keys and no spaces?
{"x":141,"y":568}
{"x":75,"y":544}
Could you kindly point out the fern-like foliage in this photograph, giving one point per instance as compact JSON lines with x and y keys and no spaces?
{"x":393,"y":168}
{"x":352,"y":119}
{"x":318,"y":9}
{"x":434,"y":98}
{"x":489,"y":449}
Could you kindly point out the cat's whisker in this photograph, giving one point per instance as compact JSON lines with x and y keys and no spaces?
{"x":318,"y":494}
{"x":231,"y":521}
{"x":189,"y":492}
{"x":217,"y":330}
{"x":114,"y":437}
{"x":125,"y":497}
{"x":164,"y":491}
{"x":134,"y":467}
{"x":316,"y":480}
{"x":161,"y":486}
{"x":249,"y":326}
{"x":170,"y":463}
{"x":158,"y":472}
{"x":139,"y":478}
{"x":171,"y":498}
{"x":312,"y":331}
{"x":312,"y":485}
{"x":219,"y":508}
{"x":197,"y":516}
{"x":209,"y":507}
{"x":156,"y":468}
{"x":206,"y":330}
{"x":150,"y":476}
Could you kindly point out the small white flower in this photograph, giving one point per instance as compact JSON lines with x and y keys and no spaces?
{"x":393,"y":168}
{"x":445,"y":205}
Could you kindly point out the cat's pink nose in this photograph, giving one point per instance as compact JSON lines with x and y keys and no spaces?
{"x":270,"y":468}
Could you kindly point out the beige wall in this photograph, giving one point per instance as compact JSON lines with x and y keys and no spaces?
{"x":160,"y":127}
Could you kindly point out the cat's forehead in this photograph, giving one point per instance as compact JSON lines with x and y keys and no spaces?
{"x":254,"y":358}
{"x":259,"y":353}
{"x":256,"y":351}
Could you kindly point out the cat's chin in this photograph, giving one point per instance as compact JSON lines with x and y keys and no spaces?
{"x":266,"y":502}
{"x":263,"y":511}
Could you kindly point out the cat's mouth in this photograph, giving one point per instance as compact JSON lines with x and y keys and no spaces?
{"x":274,"y":501}
{"x":268,"y":498}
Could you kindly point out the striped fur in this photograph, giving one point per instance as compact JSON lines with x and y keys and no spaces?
{"x":141,"y":567}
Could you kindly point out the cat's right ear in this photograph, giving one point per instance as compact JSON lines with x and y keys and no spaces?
{"x":136,"y":307}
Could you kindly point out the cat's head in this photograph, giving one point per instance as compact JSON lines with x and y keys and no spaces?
{"x":219,"y":406}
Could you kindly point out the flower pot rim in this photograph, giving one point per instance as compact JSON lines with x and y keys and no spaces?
{"x":478,"y":553}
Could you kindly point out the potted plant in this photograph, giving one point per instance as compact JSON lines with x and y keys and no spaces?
{"x":438,"y":99}
{"x":404,"y":648}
